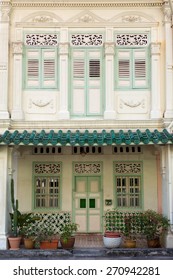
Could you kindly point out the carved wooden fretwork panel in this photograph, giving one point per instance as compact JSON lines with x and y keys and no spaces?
{"x":87,"y":168}
{"x":41,"y":40}
{"x":86,"y":40}
{"x":128,"y":168}
{"x":131,"y":40}
{"x":47,"y":168}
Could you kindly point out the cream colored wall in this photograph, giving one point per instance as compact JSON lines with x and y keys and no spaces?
{"x":25,"y":176}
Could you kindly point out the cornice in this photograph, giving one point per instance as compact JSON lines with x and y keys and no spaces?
{"x":86,"y":3}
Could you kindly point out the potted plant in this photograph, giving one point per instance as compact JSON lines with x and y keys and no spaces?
{"x":67,"y":237}
{"x":112,"y":237}
{"x":47,"y":238}
{"x":129,"y":231}
{"x":29,"y":238}
{"x":15,"y":238}
{"x":154,"y":226}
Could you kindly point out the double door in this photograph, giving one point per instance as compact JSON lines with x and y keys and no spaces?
{"x":87,"y":203}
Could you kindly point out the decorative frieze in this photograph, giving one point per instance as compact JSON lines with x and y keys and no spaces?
{"x":47,"y":168}
{"x":86,"y":40}
{"x":42,"y":19}
{"x":17,"y":47}
{"x":128,"y":168}
{"x":41,"y":40}
{"x":87,"y":168}
{"x":131,"y":40}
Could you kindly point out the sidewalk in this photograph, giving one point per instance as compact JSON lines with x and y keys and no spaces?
{"x":88,"y":253}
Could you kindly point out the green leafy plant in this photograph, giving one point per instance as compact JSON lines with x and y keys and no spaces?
{"x":68,"y":230}
{"x":154,"y":224}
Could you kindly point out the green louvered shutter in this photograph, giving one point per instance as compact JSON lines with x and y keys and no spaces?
{"x":49,"y":68}
{"x":32,"y":69}
{"x":140,"y":69}
{"x":123,"y":69}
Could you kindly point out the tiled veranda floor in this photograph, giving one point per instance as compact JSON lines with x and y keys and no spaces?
{"x":96,"y":240}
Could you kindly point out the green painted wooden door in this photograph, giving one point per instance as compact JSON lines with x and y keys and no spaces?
{"x":87,"y":203}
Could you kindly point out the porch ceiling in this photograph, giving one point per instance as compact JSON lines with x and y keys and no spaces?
{"x":84,"y":138}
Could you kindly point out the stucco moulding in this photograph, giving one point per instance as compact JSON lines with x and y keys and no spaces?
{"x":88,"y":18}
{"x":87,"y":3}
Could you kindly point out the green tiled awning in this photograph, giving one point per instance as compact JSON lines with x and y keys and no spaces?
{"x":84,"y":138}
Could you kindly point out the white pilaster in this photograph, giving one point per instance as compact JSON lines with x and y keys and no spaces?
{"x":17,"y":112}
{"x":63,"y":53}
{"x":5,"y":7}
{"x":4,"y":216}
{"x":109,"y":76}
{"x":167,"y":190}
{"x":168,"y":63}
{"x":156,"y":84}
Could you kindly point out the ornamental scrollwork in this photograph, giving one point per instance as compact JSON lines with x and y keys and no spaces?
{"x":41,"y":40}
{"x":131,"y":39}
{"x":47,"y":168}
{"x":128,"y":168}
{"x":86,"y":39}
{"x":87,"y":168}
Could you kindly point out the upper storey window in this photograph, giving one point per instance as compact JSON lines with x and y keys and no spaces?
{"x":132,"y":61}
{"x":41,"y":61}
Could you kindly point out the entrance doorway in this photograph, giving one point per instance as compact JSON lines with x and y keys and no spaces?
{"x":88,"y":203}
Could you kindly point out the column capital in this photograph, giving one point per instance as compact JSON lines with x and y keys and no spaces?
{"x":17,"y":47}
{"x":64,"y":48}
{"x":167,"y":13}
{"x":5,"y":8}
{"x":155,"y":48}
{"x":109,"y":48}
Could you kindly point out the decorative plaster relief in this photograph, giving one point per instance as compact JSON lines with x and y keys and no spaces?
{"x":155,"y":48}
{"x":17,"y":47}
{"x":109,"y":48}
{"x":131,"y":19}
{"x":167,"y":13}
{"x":5,"y":8}
{"x":86,"y":17}
{"x":131,"y":39}
{"x":132,"y":103}
{"x":87,"y":168}
{"x":86,"y":40}
{"x":43,"y":105}
{"x":63,"y":48}
{"x":47,"y":168}
{"x":127,"y":168}
{"x":41,"y":39}
{"x":42,"y":19}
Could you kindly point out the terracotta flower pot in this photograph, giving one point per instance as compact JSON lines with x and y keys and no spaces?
{"x":153,"y":243}
{"x":67,"y":244}
{"x":112,"y":234}
{"x":129,"y":243}
{"x":14,"y":242}
{"x":47,"y":245}
{"x":29,"y":243}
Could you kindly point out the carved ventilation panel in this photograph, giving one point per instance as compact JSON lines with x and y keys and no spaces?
{"x":47,"y":168}
{"x":128,"y":168}
{"x":86,"y":40}
{"x":41,"y":40}
{"x":131,"y":40}
{"x":87,"y":168}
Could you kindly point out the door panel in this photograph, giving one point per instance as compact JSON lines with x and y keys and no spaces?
{"x":87,"y":199}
